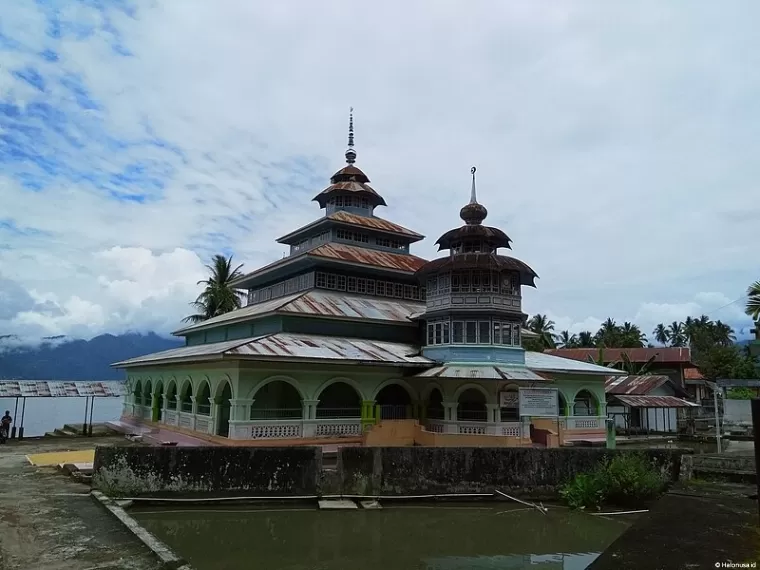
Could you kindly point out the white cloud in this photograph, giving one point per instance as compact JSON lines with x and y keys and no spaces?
{"x":613,"y":144}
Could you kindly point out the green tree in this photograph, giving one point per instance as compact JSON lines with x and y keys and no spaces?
{"x":608,"y":334}
{"x":753,"y":301}
{"x":567,"y":340}
{"x":676,"y":334}
{"x":661,"y":334}
{"x":630,"y":336}
{"x":718,"y":361}
{"x":586,"y":339}
{"x":217,"y":296}
{"x":544,"y":328}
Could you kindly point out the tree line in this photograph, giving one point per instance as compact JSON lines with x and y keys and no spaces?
{"x":712,"y":343}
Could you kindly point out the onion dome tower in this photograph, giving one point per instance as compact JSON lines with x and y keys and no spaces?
{"x":474,"y":299}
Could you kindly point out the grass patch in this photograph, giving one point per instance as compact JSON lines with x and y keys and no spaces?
{"x":627,"y":480}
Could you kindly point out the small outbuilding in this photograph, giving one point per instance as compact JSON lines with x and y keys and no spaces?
{"x":646,"y":404}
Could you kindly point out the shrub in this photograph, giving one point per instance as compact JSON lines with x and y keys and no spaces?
{"x":626,"y":480}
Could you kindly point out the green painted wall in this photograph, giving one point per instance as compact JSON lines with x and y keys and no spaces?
{"x":373,"y":331}
{"x":235,"y":331}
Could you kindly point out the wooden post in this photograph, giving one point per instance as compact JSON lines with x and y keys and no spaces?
{"x":755,"y":402}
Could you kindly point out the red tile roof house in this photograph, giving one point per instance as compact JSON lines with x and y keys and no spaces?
{"x":670,"y":361}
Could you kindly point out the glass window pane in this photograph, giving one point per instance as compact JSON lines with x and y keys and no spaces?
{"x":484,"y":332}
{"x":516,"y":335}
{"x":430,"y":334}
{"x":446,"y":332}
{"x":506,"y":333}
{"x":496,"y":332}
{"x":457,"y":332}
{"x":471,"y":332}
{"x":438,"y":333}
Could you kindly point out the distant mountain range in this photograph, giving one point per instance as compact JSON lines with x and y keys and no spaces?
{"x":60,"y":358}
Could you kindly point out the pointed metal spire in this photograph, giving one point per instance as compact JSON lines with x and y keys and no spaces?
{"x":351,"y":153}
{"x":473,"y":196}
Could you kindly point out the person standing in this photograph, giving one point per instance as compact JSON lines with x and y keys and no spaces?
{"x":5,"y":426}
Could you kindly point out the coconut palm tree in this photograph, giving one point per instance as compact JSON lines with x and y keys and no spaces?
{"x":631,"y":336}
{"x":217,"y":296}
{"x":677,"y":335}
{"x":753,"y":301}
{"x":586,"y":339}
{"x":567,"y":340}
{"x":661,"y":334}
{"x":723,"y":334}
{"x":544,"y":328}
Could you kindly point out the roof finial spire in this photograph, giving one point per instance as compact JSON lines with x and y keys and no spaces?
{"x":473,"y":213}
{"x":351,"y":153}
{"x":473,"y":196}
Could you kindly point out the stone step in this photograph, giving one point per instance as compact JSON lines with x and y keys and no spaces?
{"x":65,"y":433}
{"x":371,"y":505}
{"x":337,"y":504}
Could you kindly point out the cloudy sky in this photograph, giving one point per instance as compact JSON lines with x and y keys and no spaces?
{"x":616,"y":144}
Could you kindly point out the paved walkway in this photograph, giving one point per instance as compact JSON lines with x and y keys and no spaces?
{"x":158,"y":436}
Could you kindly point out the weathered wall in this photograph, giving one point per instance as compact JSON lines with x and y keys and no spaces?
{"x":427,"y":470}
{"x":737,"y":412}
{"x":153,"y":471}
{"x":291,"y":471}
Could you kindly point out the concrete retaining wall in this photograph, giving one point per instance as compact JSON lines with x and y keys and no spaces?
{"x":291,"y":471}
{"x":430,"y":470}
{"x":153,"y":471}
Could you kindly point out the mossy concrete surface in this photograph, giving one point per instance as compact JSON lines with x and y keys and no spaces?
{"x":368,"y":471}
{"x":155,"y":471}
{"x":697,"y":526}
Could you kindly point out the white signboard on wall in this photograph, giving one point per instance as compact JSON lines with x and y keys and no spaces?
{"x":539,"y":402}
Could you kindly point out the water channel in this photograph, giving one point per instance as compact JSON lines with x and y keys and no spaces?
{"x":481,"y":536}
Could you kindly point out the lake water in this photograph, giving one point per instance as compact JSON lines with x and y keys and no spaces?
{"x":483,"y":536}
{"x":46,"y":414}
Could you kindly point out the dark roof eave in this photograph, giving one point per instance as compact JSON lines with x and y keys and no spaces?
{"x":243,"y":282}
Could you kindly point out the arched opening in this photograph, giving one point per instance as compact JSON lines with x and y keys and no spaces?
{"x":561,"y":404}
{"x":276,"y":400}
{"x":472,"y":406}
{"x":204,"y":400}
{"x":137,"y":394}
{"x":171,"y":396}
{"x":395,"y":403}
{"x":510,"y":405}
{"x":435,"y":405}
{"x":339,"y":400}
{"x":185,"y":398}
{"x":147,"y":400}
{"x":158,"y":402}
{"x":584,"y":404}
{"x":225,"y":407}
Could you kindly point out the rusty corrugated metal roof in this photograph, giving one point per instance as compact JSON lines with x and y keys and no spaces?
{"x":634,"y":385}
{"x":57,"y":389}
{"x":655,"y":402}
{"x":366,"y":256}
{"x":666,"y":354}
{"x":315,"y":347}
{"x":482,"y":372}
{"x":372,"y":222}
{"x":353,"y":186}
{"x":290,"y":346}
{"x":328,"y":304}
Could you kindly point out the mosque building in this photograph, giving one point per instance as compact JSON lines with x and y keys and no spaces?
{"x":353,"y":338}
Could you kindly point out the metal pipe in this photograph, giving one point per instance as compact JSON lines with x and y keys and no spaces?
{"x":92,"y":405}
{"x":15,"y":413}
{"x":23,"y":411}
{"x":302,"y":497}
{"x":86,"y":407}
{"x":717,"y":417}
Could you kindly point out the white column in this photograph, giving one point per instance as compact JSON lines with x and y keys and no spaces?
{"x":194,"y":412}
{"x":494,"y":417}
{"x":309,"y":418}
{"x":240,"y":416}
{"x":450,"y":415}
